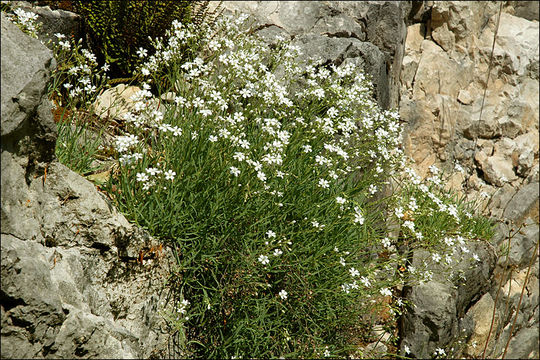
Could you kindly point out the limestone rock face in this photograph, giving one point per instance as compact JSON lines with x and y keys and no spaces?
{"x":368,"y":33}
{"x":443,"y":76}
{"x":71,"y":285}
{"x":455,"y":113}
{"x":25,"y":126}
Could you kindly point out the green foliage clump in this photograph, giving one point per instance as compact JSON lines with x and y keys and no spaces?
{"x":263,"y":175}
{"x":118,"y":28}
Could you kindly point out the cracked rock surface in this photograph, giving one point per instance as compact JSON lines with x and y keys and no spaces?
{"x":71,"y":285}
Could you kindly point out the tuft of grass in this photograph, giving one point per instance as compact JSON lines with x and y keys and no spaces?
{"x":78,"y":145}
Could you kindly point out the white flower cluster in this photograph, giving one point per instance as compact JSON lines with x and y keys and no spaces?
{"x":229,"y":96}
{"x":82,"y":80}
{"x":26,"y":21}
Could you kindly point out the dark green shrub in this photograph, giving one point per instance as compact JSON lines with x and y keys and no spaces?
{"x":118,"y":28}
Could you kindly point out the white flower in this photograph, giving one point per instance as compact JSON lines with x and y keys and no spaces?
{"x":385,"y":292}
{"x":212,"y":138}
{"x":123,"y":143}
{"x":205,"y":112}
{"x":341,"y":200}
{"x":475,"y":257}
{"x":263,"y":259}
{"x":240,"y":156}
{"x":409,"y":224}
{"x":332,"y":112}
{"x":358,"y":217}
{"x":364,"y":280}
{"x":354,"y":272}
{"x":176,"y":131}
{"x":235,"y":171}
{"x":326,"y":353}
{"x":142,"y":52}
{"x":306,"y":148}
{"x":324,"y":183}
{"x":169,"y":175}
{"x":65,"y":45}
{"x":145,"y":71}
{"x":277,"y":252}
{"x":433,"y":169}
{"x":142,"y":177}
{"x":407,"y":349}
{"x":153,"y":171}
{"x":283,"y":294}
{"x":386,"y":242}
{"x":261,"y":176}
{"x":440,"y":352}
{"x":244,"y":144}
{"x":436,"y":257}
{"x":270,"y":234}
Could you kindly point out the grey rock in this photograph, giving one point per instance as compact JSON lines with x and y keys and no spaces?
{"x":269,"y":33}
{"x":387,"y":30}
{"x":524,"y":344}
{"x":379,"y":26}
{"x":522,"y":246}
{"x":340,"y":26}
{"x":339,"y":51}
{"x":523,"y":204}
{"x":432,"y":320}
{"x":53,"y":21}
{"x":438,"y":312}
{"x":71,"y":286}
{"x":477,"y":275}
{"x":526,"y":9}
{"x":91,"y":273}
{"x":26,"y":128}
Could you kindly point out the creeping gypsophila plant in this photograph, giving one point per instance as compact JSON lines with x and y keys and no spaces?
{"x":77,"y":79}
{"x":275,"y":199}
{"x":26,"y":21}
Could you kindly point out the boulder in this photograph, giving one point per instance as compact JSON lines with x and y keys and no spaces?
{"x":482,"y":316}
{"x":72,"y":284}
{"x":115,"y":102}
{"x":526,"y":9}
{"x":26,"y":67}
{"x":439,"y":311}
{"x":431,"y":321}
{"x":524,"y":204}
